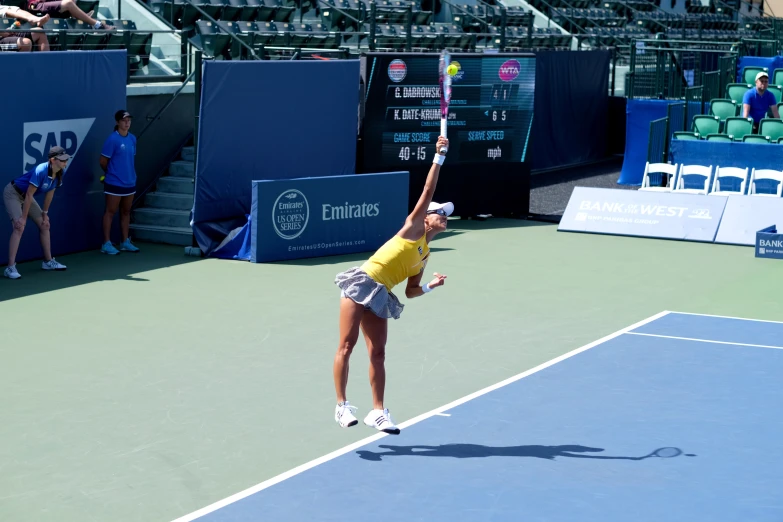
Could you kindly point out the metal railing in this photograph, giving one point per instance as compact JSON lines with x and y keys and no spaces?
{"x":656,"y":147}
{"x":663,"y":69}
{"x":694,"y":103}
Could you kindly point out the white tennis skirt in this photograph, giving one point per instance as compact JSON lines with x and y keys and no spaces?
{"x":364,"y":290}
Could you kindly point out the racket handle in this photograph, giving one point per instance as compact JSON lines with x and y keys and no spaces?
{"x":443,"y":129}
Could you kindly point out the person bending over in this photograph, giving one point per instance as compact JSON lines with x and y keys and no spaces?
{"x":19,"y":203}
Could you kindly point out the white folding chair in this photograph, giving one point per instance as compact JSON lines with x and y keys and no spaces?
{"x":693,"y":170}
{"x":659,"y":168}
{"x":769,"y":174}
{"x":729,"y":172}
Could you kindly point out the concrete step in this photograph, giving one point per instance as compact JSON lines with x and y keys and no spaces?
{"x":176,"y":185}
{"x":172,"y":63}
{"x":189,"y":154}
{"x":181,"y":236}
{"x":162,"y":217}
{"x":169,"y":201}
{"x":182,"y":169}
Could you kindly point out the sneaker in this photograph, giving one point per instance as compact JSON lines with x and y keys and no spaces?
{"x":108,"y":248}
{"x":52,"y":264}
{"x":343,"y":414}
{"x":11,"y":273}
{"x":127,"y":246}
{"x":381,"y":420}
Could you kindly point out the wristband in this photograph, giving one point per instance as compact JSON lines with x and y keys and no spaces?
{"x":439,"y":159}
{"x":426,"y":288}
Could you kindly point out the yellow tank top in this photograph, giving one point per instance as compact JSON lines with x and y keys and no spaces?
{"x":397,"y":260}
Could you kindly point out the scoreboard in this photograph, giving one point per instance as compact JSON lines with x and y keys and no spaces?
{"x":490,"y":114}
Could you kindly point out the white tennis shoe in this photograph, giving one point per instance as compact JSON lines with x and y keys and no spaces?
{"x":344,"y":414}
{"x":381,"y":420}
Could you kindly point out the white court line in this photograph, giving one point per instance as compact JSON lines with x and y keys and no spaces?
{"x":729,"y":317}
{"x":705,"y":340}
{"x":438,"y":411}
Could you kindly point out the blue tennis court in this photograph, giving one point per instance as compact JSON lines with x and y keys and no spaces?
{"x":676,"y":418}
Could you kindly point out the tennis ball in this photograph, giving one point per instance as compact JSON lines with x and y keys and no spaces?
{"x":452,"y":70}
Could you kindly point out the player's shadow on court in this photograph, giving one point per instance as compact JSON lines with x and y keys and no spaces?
{"x":470,"y":451}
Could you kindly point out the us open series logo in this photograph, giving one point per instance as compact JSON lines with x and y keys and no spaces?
{"x":290,"y":214}
{"x":397,"y":71}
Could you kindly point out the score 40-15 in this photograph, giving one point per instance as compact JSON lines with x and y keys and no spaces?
{"x":418,"y":153}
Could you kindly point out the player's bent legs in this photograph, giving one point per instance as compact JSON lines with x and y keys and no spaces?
{"x":13,"y":244}
{"x":350,"y":320}
{"x":375,"y":330}
{"x":46,"y":242}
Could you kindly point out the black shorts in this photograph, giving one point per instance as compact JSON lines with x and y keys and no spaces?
{"x":114,"y":190}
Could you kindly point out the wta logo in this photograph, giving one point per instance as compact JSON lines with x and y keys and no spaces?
{"x":290,"y":214}
{"x":509,"y":70}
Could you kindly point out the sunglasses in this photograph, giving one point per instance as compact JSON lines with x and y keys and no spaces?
{"x":439,"y":212}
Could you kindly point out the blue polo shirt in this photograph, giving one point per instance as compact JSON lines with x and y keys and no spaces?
{"x":759,"y":104}
{"x":121,"y":151}
{"x":37,"y":177}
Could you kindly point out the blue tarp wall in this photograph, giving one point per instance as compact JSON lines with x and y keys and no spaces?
{"x":741,"y":155}
{"x":572,"y":108}
{"x":76,"y":113}
{"x":269,"y":120}
{"x":639,"y":114}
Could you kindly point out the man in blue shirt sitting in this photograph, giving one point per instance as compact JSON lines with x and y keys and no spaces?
{"x":758,"y":101}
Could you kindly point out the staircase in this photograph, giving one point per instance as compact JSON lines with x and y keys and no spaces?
{"x":165,"y":217}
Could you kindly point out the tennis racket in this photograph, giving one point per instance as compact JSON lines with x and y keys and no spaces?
{"x":664,"y":453}
{"x":444,"y":82}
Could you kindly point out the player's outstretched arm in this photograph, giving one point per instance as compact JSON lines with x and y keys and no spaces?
{"x":414,"y":224}
{"x":414,"y":290}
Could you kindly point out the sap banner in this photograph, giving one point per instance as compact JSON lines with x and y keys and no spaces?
{"x":324,"y":216}
{"x":691,"y":217}
{"x":65,"y":98}
{"x":769,"y":243}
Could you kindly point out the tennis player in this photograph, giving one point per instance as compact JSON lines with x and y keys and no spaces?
{"x":367,"y":300}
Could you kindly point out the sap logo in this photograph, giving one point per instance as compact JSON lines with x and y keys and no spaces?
{"x":40,"y":136}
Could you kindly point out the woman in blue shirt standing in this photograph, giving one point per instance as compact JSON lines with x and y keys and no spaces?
{"x":117,"y":161}
{"x":19,"y":203}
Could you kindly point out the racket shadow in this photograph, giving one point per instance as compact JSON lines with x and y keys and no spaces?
{"x":468,"y":451}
